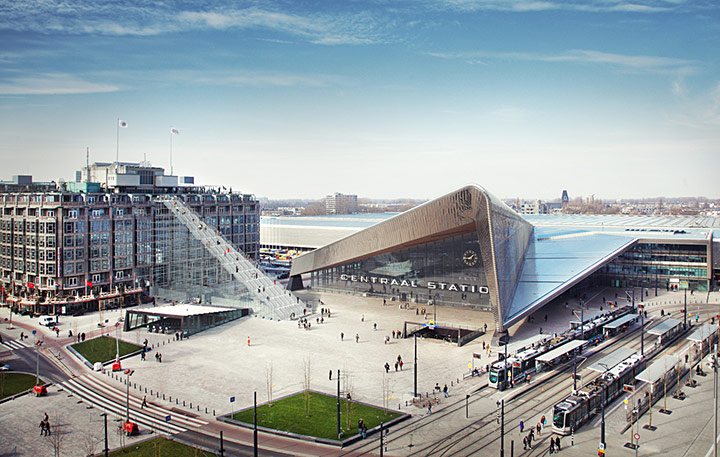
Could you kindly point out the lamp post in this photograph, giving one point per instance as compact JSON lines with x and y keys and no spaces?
{"x":415,"y":369}
{"x":127,"y":395}
{"x":602,"y":402}
{"x":502,"y":428}
{"x":338,"y":404}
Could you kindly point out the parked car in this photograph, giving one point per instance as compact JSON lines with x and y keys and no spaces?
{"x":47,"y":321}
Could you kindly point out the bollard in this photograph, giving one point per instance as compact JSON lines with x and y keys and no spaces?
{"x":190,"y":405}
{"x":146,"y":390}
{"x":177,"y":402}
{"x":170,"y":398}
{"x":198,"y":407}
{"x":213,"y":412}
{"x":150,"y":391}
{"x":163,"y":396}
{"x":183,"y":402}
{"x":157,"y":394}
{"x":205,"y":410}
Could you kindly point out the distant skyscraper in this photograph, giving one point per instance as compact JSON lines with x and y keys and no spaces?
{"x":565,"y":199}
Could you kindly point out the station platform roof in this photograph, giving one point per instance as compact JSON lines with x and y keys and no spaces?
{"x":588,"y":316}
{"x":620,"y":321}
{"x":560,"y":351}
{"x":657,"y":370}
{"x":181,"y":310}
{"x":663,"y":327}
{"x":702,"y":333}
{"x":610,"y":361}
{"x":514,"y":347}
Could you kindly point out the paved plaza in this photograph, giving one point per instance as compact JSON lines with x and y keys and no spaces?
{"x":210,"y":367}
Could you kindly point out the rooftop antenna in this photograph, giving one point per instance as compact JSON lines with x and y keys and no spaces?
{"x":87,"y":164}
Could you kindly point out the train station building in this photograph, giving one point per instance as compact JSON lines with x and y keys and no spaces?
{"x":468,"y":249}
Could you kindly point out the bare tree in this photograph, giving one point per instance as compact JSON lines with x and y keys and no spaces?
{"x":306,"y":385}
{"x":90,"y":443}
{"x":57,"y":433}
{"x":347,"y":382}
{"x":386,"y":390}
{"x":269,"y":383}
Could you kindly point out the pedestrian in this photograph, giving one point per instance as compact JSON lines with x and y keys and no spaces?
{"x":387,"y":367}
{"x":393,"y":334}
{"x":543,"y":421}
{"x":525,"y":440}
{"x":552,"y":445}
{"x":142,"y":356}
{"x":144,"y":402}
{"x":557,"y":444}
{"x":445,"y":391}
{"x":248,"y":341}
{"x":364,"y":431}
{"x":539,"y":429}
{"x":357,"y":337}
{"x":342,"y":336}
{"x":401,"y":364}
{"x":360,"y":426}
{"x":82,"y":337}
{"x":530,"y":438}
{"x":362,"y":318}
{"x":57,"y":332}
{"x":522,"y":426}
{"x":157,"y":354}
{"x":42,"y":427}
{"x":429,"y":408}
{"x":330,"y":375}
{"x":47,"y":428}
{"x":396,"y":365}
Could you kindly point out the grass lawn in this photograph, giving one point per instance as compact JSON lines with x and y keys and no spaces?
{"x":289,"y":415}
{"x":14,"y":383}
{"x":165,"y":448}
{"x":102,"y":349}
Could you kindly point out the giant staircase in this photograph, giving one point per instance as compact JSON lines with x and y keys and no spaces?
{"x":275,"y":302}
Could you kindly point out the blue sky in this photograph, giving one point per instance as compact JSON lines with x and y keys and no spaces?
{"x":379,"y":98}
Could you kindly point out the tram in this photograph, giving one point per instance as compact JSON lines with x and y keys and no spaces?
{"x":578,"y":408}
{"x":520,"y":364}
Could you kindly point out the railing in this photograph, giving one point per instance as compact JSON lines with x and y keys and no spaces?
{"x":274,"y":301}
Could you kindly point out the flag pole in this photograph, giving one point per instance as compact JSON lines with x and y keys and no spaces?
{"x":171,"y":135}
{"x":117,"y":143}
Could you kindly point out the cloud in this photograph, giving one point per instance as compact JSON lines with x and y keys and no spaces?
{"x":52,"y":84}
{"x":598,"y":6}
{"x":146,"y":19}
{"x":653,"y":64}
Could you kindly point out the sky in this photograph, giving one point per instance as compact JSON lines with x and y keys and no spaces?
{"x":379,"y":98}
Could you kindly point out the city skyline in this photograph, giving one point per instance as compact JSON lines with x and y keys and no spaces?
{"x":380,"y":99}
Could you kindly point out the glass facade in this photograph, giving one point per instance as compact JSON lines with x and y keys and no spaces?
{"x":448,"y":271}
{"x":660,"y":265}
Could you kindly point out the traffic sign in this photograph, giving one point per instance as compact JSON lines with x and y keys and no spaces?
{"x":167,"y":418}
{"x":628,"y":387}
{"x":477,"y":356}
{"x":34,"y":332}
{"x":637,"y":437}
{"x":232,"y":399}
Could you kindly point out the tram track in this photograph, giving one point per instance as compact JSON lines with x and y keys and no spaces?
{"x":553,"y":389}
{"x":416,"y":427}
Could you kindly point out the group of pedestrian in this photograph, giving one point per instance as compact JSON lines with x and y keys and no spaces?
{"x":362,"y":428}
{"x":45,"y":426}
{"x":80,"y":337}
{"x":158,"y":357}
{"x":554,"y":444}
{"x":303,"y":323}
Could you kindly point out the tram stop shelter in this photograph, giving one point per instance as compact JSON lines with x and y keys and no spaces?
{"x":520,"y":345}
{"x":612,"y":328}
{"x":588,"y":316}
{"x":658,"y":372}
{"x":184,"y":318}
{"x":612,"y":360}
{"x":557,"y":355}
{"x":666,"y":330}
{"x":703,"y":337}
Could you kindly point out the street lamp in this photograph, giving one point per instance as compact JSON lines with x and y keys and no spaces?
{"x":602,"y":402}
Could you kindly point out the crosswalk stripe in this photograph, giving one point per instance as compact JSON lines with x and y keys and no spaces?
{"x":14,"y":344}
